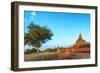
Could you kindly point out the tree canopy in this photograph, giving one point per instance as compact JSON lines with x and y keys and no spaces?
{"x":36,"y":35}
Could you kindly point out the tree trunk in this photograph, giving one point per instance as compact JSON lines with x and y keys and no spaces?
{"x":37,"y":50}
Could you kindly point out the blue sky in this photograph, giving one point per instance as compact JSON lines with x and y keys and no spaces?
{"x":66,"y":27}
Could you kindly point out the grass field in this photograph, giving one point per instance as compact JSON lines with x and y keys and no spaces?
{"x":54,"y":56}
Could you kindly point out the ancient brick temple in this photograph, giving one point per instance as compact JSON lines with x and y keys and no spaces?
{"x":80,"y":46}
{"x":80,"y":41}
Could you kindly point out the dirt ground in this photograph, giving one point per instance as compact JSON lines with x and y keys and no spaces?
{"x":29,"y":57}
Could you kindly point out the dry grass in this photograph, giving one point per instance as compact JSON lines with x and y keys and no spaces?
{"x":54,"y":56}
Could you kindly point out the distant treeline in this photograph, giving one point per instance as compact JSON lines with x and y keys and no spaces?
{"x":34,"y":50}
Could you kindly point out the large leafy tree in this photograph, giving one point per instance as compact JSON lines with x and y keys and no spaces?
{"x":36,"y":35}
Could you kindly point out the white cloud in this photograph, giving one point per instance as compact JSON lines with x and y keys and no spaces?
{"x":33,"y":13}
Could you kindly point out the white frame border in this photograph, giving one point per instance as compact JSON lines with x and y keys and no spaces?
{"x":31,"y":64}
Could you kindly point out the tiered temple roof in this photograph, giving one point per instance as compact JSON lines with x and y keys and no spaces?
{"x":80,"y":41}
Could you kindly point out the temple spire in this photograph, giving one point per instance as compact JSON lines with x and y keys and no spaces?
{"x":80,"y":41}
{"x":80,"y":36}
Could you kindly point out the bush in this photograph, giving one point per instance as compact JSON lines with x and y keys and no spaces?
{"x":51,"y":50}
{"x":30,"y":51}
{"x":27,"y":51}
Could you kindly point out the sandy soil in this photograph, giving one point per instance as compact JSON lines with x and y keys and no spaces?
{"x":28,"y":57}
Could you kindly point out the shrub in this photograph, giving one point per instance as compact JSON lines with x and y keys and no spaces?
{"x":30,"y":51}
{"x":51,"y":50}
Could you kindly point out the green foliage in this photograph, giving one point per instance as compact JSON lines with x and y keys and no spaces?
{"x":30,"y":51}
{"x":51,"y":50}
{"x":27,"y":51}
{"x":37,"y":35}
{"x":61,"y":48}
{"x":34,"y":50}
